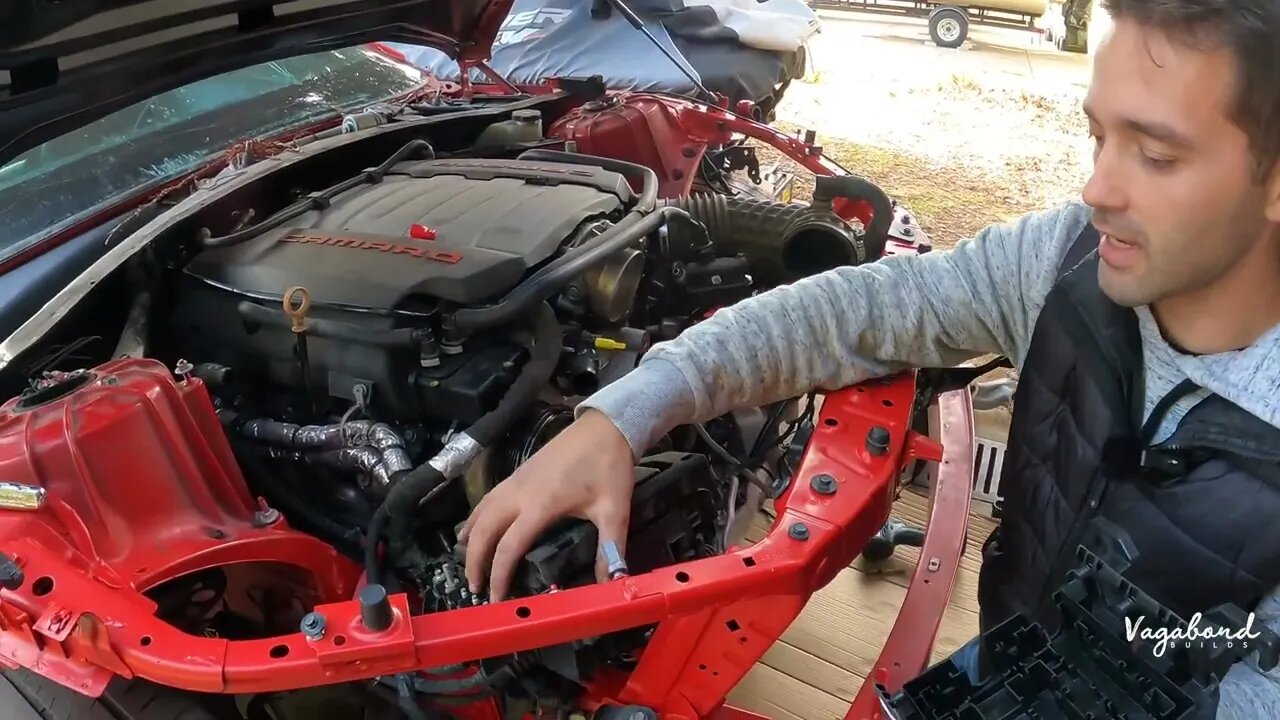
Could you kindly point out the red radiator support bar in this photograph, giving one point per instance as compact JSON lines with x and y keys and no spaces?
{"x":909,"y":646}
{"x":716,"y":617}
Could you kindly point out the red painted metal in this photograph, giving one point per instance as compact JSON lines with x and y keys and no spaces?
{"x":479,"y":45}
{"x":717,"y":125}
{"x":670,"y":135}
{"x":641,"y":128}
{"x":906,"y":653}
{"x":141,"y":487}
{"x":137,"y":473}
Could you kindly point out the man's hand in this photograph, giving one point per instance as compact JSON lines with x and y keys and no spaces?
{"x":585,"y":472}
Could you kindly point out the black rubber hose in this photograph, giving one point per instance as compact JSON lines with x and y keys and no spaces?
{"x":647,"y":177}
{"x":293,"y":506}
{"x":852,"y":187}
{"x":336,"y":330}
{"x":321,"y":200}
{"x":544,"y":355}
{"x":408,"y":488}
{"x":377,"y":528}
{"x":542,"y":284}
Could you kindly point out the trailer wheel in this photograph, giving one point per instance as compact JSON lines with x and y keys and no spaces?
{"x":949,"y":27}
{"x":27,"y":696}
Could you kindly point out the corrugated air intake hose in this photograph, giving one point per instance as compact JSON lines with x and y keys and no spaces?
{"x":785,"y":242}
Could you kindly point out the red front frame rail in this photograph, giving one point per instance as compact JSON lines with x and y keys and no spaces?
{"x":716,"y":617}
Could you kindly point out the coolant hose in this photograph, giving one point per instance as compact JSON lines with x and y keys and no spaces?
{"x":554,"y":276}
{"x":648,"y":178}
{"x":852,"y":187}
{"x":411,"y":487}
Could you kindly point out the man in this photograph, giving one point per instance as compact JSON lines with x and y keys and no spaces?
{"x":1145,"y":322}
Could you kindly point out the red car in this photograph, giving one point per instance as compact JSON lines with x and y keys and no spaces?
{"x":277,"y":309}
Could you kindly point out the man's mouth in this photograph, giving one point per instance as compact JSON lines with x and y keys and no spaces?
{"x":1118,"y":252}
{"x":1112,"y":239}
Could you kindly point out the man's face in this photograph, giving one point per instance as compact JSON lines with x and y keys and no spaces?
{"x":1173,"y":188}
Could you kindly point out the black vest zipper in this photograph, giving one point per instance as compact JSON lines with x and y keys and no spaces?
{"x":1163,"y":458}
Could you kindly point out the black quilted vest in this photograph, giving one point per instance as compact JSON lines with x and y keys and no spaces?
{"x":1200,"y":507}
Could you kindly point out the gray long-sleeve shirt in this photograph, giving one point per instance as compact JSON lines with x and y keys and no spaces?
{"x":939,"y":309}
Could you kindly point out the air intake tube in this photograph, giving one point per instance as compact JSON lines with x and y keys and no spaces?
{"x":785,"y":242}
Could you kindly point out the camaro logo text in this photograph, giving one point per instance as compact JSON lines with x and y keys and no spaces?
{"x":443,"y":256}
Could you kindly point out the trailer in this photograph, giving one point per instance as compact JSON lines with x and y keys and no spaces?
{"x":949,"y":22}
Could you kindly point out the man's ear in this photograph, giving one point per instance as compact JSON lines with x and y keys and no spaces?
{"x":1273,"y":193}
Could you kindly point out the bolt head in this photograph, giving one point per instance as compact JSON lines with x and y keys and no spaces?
{"x":878,"y":440}
{"x":799,"y":531}
{"x":312,"y":625}
{"x":263,"y":518}
{"x":823,"y":484}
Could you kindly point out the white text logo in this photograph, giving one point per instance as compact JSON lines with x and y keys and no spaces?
{"x":1192,"y":633}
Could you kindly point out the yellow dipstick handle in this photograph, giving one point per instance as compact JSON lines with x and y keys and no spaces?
{"x":297,"y":302}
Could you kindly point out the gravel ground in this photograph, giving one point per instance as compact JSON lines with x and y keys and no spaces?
{"x":963,"y":137}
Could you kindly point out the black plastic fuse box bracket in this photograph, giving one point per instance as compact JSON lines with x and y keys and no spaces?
{"x":1089,"y":669}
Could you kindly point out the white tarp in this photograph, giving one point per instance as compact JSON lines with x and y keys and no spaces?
{"x":740,"y":48}
{"x":775,"y":25}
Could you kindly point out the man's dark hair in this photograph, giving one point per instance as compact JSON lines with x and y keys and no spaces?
{"x":1250,"y":30}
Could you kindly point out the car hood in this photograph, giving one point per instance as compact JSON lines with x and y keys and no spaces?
{"x":65,"y":63}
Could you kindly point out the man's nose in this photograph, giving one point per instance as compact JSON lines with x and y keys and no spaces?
{"x":1106,"y":188}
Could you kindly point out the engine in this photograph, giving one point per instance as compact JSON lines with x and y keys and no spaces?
{"x":448,"y":314}
{"x":369,"y":285}
{"x":381,"y":352}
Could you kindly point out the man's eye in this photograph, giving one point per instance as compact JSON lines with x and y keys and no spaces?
{"x":1157,"y":162}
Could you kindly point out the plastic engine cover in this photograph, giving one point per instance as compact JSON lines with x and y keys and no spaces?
{"x":490,"y":222}
{"x":134,"y":482}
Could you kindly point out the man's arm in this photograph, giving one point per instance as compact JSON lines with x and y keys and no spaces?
{"x":847,"y":325}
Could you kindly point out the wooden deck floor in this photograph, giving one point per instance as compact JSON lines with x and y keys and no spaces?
{"x":823,"y":658}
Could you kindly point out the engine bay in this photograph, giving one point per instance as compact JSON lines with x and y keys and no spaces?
{"x":357,"y":356}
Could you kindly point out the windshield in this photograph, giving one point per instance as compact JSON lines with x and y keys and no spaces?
{"x":152,"y":142}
